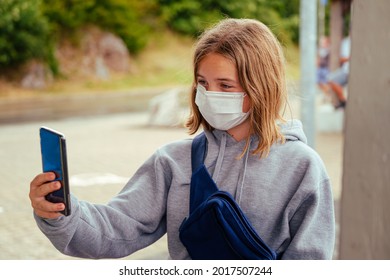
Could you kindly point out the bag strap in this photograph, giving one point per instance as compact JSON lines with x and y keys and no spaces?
{"x":202,"y":185}
{"x":198,"y":151}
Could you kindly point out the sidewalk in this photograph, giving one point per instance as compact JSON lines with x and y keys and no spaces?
{"x":124,"y":142}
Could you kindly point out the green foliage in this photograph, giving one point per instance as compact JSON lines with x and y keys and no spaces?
{"x":126,"y":19}
{"x":24,"y":33}
{"x":192,"y":16}
{"x":66,"y":15}
{"x":29,"y":28}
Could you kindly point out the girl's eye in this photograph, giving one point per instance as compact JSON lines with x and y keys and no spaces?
{"x":202,"y":82}
{"x":225,"y":86}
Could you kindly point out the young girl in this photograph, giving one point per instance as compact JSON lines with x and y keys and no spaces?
{"x":280,"y":183}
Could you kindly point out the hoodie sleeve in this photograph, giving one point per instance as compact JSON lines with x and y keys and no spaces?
{"x":132,"y":220}
{"x":312,"y":226}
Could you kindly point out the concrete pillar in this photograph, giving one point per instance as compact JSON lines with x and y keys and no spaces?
{"x":365,"y":201}
{"x":336,"y":33}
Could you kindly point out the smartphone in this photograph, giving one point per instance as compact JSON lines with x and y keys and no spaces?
{"x":54,"y":159}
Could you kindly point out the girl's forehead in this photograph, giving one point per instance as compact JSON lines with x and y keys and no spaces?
{"x":216,"y":64}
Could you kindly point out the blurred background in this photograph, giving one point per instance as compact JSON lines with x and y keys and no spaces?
{"x":114,"y":77}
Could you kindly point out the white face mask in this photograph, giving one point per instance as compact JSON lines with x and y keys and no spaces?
{"x":222,"y":110}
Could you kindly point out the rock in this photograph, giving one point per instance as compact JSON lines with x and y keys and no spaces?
{"x":164,"y":109}
{"x":114,"y":53}
{"x":37,"y":76}
{"x":101,"y":69}
{"x":97,"y":56}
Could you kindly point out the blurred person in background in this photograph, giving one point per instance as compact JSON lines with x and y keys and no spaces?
{"x":323,"y":59}
{"x":338,"y":79}
{"x":261,"y":159}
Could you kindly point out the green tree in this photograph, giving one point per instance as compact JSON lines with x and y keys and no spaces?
{"x":67,"y":15}
{"x":24,"y":33}
{"x":192,"y":16}
{"x":127,"y":18}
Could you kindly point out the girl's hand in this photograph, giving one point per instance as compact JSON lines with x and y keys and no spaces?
{"x":41,"y":186}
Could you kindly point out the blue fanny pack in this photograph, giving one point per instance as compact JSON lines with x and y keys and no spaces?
{"x":216,"y":228}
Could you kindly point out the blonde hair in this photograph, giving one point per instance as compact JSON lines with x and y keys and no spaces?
{"x":259,"y":59}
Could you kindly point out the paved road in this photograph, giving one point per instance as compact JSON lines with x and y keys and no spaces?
{"x":103,"y":151}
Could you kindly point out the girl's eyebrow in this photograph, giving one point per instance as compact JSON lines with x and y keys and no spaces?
{"x":226,"y":80}
{"x":219,"y":79}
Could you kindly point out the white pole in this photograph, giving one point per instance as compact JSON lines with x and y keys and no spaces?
{"x":308,"y":53}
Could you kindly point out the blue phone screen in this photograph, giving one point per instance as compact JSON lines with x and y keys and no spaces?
{"x":52,"y":159}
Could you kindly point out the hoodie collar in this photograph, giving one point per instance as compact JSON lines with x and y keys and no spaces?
{"x":291,"y":129}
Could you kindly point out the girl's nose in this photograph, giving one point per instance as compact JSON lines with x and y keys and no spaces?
{"x":211,"y":87}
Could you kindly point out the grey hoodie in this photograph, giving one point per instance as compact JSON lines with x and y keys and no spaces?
{"x":286,"y":196}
